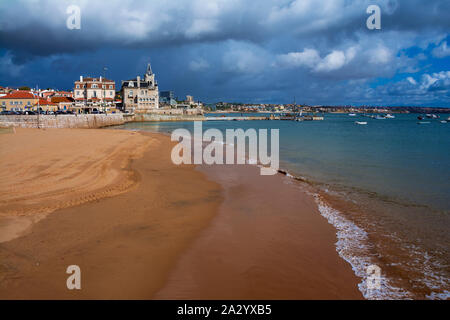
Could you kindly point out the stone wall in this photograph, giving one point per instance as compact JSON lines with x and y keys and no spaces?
{"x":62,"y":121}
{"x":93,"y":120}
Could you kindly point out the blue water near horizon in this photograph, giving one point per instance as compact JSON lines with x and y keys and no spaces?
{"x":396,"y":171}
{"x":385,"y":156}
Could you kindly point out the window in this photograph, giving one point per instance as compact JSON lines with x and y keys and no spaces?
{"x":110,"y":86}
{"x":110,"y":93}
{"x":78,"y":86}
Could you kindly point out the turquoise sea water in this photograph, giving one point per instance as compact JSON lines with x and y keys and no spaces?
{"x":391,"y":178}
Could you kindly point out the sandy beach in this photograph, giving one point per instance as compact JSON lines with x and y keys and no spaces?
{"x":139,"y":227}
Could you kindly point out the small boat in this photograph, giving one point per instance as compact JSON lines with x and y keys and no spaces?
{"x":423,"y":122}
{"x":444,"y":121}
{"x":361,"y":122}
{"x":299,"y":117}
{"x":380,"y":117}
{"x":419,"y":118}
{"x":431,"y":116}
{"x":389,"y":116}
{"x":352,"y":114}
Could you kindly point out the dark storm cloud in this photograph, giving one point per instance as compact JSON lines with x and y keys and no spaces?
{"x":234,"y":48}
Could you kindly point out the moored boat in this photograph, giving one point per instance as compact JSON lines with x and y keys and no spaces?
{"x":361,"y":122}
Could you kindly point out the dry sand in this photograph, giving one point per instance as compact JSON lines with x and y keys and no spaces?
{"x":46,"y":170}
{"x":124,"y":244}
{"x":112,"y":202}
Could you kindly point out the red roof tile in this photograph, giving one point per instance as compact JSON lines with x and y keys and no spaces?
{"x":44,"y":102}
{"x":62,"y":99}
{"x":20,"y":94}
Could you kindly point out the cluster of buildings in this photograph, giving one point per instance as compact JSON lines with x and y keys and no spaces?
{"x":31,"y":100}
{"x":242,"y":107}
{"x":96,"y":95}
{"x":286,"y":108}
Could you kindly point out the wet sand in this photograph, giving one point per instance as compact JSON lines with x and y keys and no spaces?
{"x":173,"y":232}
{"x":268,"y":241}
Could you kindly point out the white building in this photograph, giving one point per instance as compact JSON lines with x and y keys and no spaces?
{"x":94,"y":91}
{"x":141,"y":95}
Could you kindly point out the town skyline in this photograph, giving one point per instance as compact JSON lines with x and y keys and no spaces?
{"x":226,"y":51}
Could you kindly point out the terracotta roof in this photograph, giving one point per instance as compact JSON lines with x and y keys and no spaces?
{"x":62,"y":99}
{"x":44,"y":102}
{"x":20,"y":94}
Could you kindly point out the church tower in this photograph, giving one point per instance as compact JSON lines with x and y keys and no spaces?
{"x":149,"y":75}
{"x":141,"y":95}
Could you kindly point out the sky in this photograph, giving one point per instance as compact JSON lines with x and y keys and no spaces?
{"x":318,"y":52}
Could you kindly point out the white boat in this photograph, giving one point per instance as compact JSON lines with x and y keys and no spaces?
{"x":380,"y":117}
{"x":444,"y":121}
{"x":352,"y":114}
{"x":361,"y":122}
{"x":423,"y":122}
{"x":389,"y":116}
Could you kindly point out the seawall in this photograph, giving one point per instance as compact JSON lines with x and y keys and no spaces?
{"x":87,"y":121}
{"x":90,"y":121}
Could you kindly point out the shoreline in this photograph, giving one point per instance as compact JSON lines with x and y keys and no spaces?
{"x":262,"y":247}
{"x":374,"y":226}
{"x":139,"y":239}
{"x":364,"y":241}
